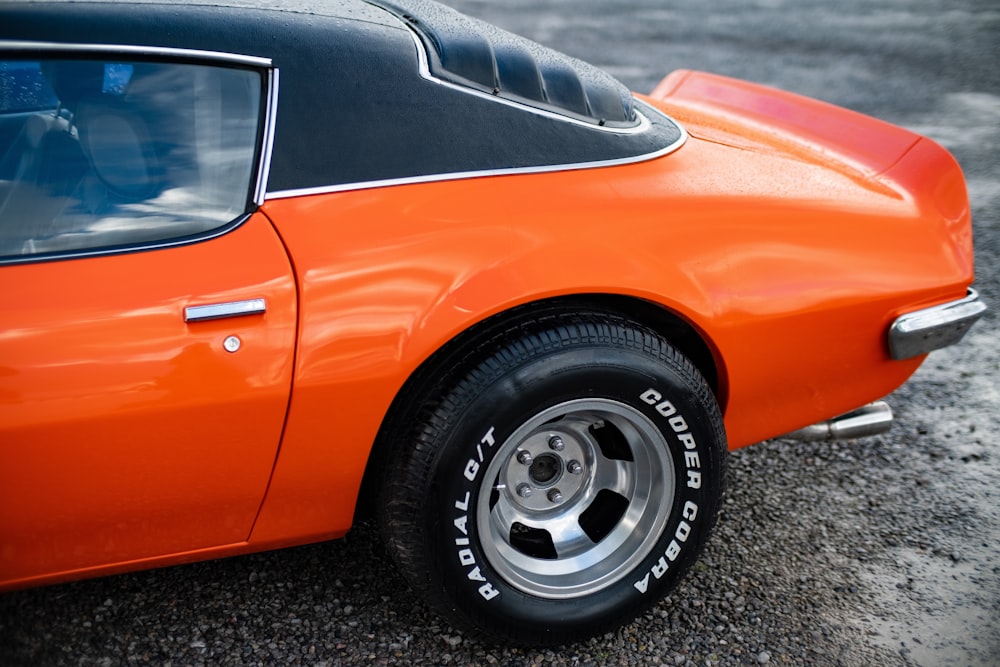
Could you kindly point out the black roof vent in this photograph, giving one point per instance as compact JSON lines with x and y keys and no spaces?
{"x":472,"y":53}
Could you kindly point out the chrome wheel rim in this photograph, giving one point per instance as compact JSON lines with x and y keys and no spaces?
{"x":577,"y":497}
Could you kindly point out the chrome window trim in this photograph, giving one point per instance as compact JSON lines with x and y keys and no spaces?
{"x":267,"y":148}
{"x":132,"y":50}
{"x":464,"y":175}
{"x":929,"y":329}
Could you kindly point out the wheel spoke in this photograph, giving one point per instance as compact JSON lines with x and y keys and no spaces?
{"x":616,"y":476}
{"x":506,"y":513}
{"x":567,"y":535}
{"x":563,"y":527}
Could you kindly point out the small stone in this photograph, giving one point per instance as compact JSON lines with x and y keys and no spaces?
{"x":764,"y":657}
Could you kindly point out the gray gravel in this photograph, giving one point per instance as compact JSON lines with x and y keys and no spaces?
{"x":874,"y":552}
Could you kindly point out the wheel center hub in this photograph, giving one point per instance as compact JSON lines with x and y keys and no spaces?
{"x":545,"y":469}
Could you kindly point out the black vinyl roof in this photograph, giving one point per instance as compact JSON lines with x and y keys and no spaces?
{"x":367,"y":95}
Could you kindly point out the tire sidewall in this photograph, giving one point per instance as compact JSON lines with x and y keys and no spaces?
{"x":658,"y":389}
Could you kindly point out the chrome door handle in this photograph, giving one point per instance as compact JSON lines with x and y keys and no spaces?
{"x":217,"y":311}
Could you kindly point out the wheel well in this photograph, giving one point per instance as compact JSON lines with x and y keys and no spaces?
{"x":450,"y":357}
{"x":671,"y":326}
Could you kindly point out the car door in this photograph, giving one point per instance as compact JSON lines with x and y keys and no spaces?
{"x":147,"y":318}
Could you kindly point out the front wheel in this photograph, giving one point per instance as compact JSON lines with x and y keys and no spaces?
{"x":557,"y":483}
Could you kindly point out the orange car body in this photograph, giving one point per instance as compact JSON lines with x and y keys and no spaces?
{"x":787,"y":250}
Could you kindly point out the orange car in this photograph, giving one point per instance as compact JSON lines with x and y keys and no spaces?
{"x":263,"y":264}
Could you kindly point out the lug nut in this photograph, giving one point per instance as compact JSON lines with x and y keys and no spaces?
{"x":574,"y":467}
{"x":556,"y":443}
{"x":555,"y":495}
{"x":524,"y":457}
{"x":524,"y":490}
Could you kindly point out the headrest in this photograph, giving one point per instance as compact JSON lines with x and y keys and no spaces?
{"x":114,"y":136}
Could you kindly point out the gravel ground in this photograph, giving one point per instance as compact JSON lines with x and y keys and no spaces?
{"x":880,"y":551}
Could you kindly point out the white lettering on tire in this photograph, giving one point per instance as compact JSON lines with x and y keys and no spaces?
{"x":472,"y":467}
{"x":466,"y":557}
{"x":692,"y":462}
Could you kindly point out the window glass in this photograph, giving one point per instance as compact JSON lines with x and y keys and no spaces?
{"x":23,"y":88}
{"x":98,"y":154}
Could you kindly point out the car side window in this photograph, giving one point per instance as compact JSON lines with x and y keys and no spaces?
{"x":98,"y":154}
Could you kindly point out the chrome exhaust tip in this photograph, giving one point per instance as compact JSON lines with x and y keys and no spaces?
{"x":872,"y":419}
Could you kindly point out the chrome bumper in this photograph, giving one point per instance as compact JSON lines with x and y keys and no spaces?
{"x":932,"y":328}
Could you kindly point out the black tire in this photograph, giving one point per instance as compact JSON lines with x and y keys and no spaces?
{"x":557,"y":482}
